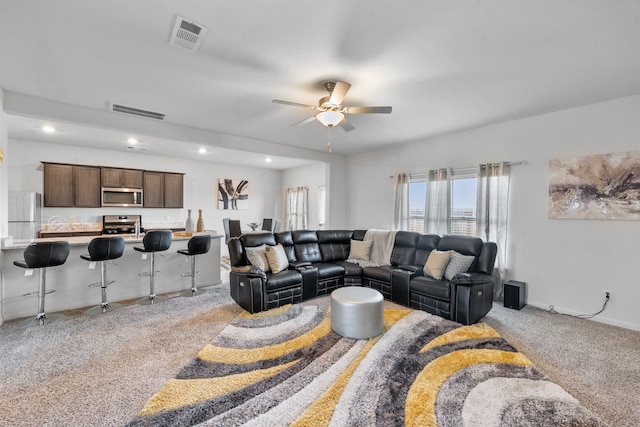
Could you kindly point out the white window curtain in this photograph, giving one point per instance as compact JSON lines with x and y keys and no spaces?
{"x":492,"y":213}
{"x":296,"y":208}
{"x":438,"y":210}
{"x":401,"y":201}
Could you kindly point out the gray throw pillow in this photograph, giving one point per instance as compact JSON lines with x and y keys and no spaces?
{"x":458,"y":264}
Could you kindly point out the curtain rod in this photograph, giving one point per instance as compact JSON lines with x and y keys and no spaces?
{"x":522,"y":162}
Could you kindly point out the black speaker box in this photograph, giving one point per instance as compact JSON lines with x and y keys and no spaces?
{"x":514,"y":294}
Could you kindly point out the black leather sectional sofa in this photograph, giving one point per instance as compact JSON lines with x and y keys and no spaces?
{"x":317,"y":265}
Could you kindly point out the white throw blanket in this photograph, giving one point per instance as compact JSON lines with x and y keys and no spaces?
{"x":381,"y":247}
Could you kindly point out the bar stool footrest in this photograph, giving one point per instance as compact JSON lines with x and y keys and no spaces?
{"x":99,"y":284}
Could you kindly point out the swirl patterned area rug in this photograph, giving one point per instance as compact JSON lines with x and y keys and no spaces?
{"x":287,"y":367}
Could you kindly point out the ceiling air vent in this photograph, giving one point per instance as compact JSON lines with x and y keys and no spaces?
{"x":119,"y":108}
{"x":187,"y":35}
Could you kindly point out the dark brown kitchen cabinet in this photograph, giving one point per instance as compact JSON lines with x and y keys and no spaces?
{"x":71,"y":185}
{"x":67,"y":185}
{"x":127,"y":178}
{"x":58,"y":185}
{"x":173,"y":190}
{"x":163,"y":190}
{"x":153,"y":189}
{"x":86,"y":186}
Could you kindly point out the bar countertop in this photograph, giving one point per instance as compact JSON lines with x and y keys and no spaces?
{"x":10,"y":244}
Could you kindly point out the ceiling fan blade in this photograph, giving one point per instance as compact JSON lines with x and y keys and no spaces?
{"x":304,"y":122}
{"x":295,"y":104}
{"x":367,"y":110}
{"x":339,"y":92}
{"x":346,"y":126}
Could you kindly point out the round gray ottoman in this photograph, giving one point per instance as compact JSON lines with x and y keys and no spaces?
{"x":357,"y":312}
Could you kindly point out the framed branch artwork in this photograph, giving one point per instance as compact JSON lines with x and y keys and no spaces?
{"x":605,"y":186}
{"x":233,"y":194}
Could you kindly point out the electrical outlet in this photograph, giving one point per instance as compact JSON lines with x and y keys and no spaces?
{"x":607,"y":293}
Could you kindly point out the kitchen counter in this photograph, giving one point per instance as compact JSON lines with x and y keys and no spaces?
{"x":8,"y":244}
{"x":71,"y":279}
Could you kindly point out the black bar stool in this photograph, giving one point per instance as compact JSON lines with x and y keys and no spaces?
{"x":154,"y":241}
{"x":40,"y":256}
{"x":197,"y":245}
{"x":103,"y":249}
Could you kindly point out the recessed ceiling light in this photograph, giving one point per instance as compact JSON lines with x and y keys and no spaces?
{"x":202,"y":150}
{"x":48,"y":129}
{"x":268,"y":160}
{"x":132,"y":141}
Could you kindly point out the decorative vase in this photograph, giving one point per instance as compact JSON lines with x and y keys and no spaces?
{"x":200,"y":224}
{"x":188,"y":225}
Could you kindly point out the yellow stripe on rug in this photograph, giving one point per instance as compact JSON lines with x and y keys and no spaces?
{"x":421,"y":399}
{"x":212,"y":353}
{"x":268,"y":313}
{"x":177,"y":393}
{"x":463,"y":333}
{"x":320,"y":412}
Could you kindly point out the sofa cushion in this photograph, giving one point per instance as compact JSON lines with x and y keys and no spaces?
{"x":286,"y":240}
{"x":457,"y":264}
{"x":257,"y":239}
{"x":426,"y":243}
{"x":464,"y":245}
{"x":284,"y":279}
{"x":327,"y":270}
{"x":358,"y":234}
{"x":350,"y":269}
{"x":404,"y":248}
{"x":334,"y":244}
{"x":360,"y":249}
{"x":306,"y":246}
{"x":257,"y":256}
{"x":381,"y":273}
{"x":437,"y":263}
{"x":425,"y":285}
{"x":277,"y":258}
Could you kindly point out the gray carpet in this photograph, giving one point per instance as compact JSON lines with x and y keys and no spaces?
{"x":597,"y":363}
{"x":100,"y":371}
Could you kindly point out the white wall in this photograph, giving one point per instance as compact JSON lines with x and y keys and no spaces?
{"x":4,"y":144}
{"x":200,"y":183}
{"x":312,"y":177}
{"x":566,"y":263}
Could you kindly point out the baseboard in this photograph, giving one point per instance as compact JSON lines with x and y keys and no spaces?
{"x":599,"y":318}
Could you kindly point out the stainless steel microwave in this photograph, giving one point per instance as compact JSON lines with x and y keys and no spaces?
{"x":126,"y":197}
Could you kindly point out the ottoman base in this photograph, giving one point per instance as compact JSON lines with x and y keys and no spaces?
{"x":357,"y":312}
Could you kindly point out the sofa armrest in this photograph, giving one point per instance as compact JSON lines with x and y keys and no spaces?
{"x":298,"y":264}
{"x":471,"y":279}
{"x":249,"y":271}
{"x":247,"y":289}
{"x":414,"y":270}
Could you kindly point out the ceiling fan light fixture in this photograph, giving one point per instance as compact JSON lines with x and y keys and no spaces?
{"x":330,"y":118}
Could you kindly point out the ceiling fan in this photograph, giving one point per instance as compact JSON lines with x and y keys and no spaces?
{"x":331,"y":111}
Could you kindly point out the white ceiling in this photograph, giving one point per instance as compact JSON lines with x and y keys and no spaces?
{"x":443,"y":65}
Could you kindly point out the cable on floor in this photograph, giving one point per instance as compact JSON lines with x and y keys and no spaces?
{"x":582,"y":316}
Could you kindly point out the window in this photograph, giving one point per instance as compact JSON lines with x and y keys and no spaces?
{"x":463,"y":203}
{"x":417,"y":203}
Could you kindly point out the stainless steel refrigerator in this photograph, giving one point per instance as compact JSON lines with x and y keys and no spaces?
{"x":25,"y":215}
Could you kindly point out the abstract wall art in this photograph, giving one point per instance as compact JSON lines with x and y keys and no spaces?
{"x":605,"y":186}
{"x":233,"y":194}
